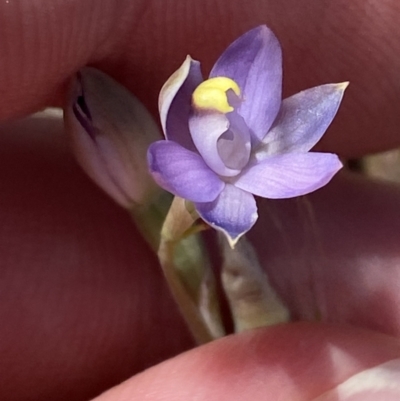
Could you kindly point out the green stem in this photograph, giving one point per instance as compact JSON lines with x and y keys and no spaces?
{"x":172,"y":232}
{"x":187,"y":306}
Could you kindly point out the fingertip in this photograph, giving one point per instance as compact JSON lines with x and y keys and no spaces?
{"x":289,"y":362}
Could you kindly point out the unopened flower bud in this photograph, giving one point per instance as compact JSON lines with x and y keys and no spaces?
{"x":110,"y":132}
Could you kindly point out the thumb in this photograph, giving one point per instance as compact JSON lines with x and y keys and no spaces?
{"x":296,"y":362}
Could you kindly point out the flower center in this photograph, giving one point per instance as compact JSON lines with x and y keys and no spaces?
{"x":212,"y":94}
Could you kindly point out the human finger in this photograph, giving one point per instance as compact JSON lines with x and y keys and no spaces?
{"x":141,"y":43}
{"x":294,"y":362}
{"x":83,"y":303}
{"x":77,"y":276}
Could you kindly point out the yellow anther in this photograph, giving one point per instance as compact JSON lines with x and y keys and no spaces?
{"x":211,"y":94}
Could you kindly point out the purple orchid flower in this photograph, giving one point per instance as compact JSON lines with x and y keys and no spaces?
{"x":231,"y":137}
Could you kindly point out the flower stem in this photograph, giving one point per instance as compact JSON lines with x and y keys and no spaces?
{"x":172,"y":232}
{"x":182,"y":297}
{"x":188,"y":272}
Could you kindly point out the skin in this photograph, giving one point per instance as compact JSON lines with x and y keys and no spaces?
{"x":82,"y":301}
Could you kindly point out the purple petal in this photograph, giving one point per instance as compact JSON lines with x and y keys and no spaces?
{"x":303,"y":119}
{"x":289,"y":175}
{"x":234,"y":212}
{"x":223,"y":140}
{"x":183,"y":172}
{"x":175,"y":101}
{"x":254,"y":61}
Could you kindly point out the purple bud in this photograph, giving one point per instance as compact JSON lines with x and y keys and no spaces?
{"x":110,"y":132}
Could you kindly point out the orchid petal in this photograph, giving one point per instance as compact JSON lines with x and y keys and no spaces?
{"x":289,"y":175}
{"x":234,"y":212}
{"x":183,"y":172}
{"x":254,"y":62}
{"x":223,"y":140}
{"x":174,"y":102}
{"x":303,"y":119}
